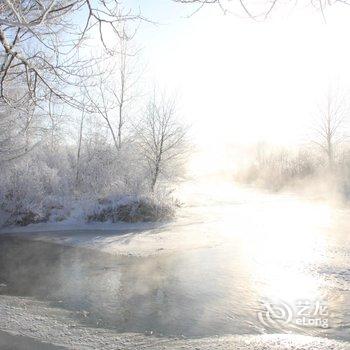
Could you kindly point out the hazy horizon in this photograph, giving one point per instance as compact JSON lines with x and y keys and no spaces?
{"x":240,"y":82}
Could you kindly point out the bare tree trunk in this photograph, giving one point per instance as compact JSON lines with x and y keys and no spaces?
{"x":330,"y":152}
{"x":123,"y":81}
{"x":159,"y":158}
{"x":29,"y":120}
{"x":115,"y":141}
{"x":26,"y":146}
{"x":120,"y":125}
{"x":79,"y":150}
{"x":155,"y":176}
{"x":52,"y":123}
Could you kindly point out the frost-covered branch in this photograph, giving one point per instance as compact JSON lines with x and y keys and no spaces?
{"x":41,"y":44}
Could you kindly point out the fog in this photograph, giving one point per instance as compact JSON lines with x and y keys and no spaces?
{"x":243,"y":83}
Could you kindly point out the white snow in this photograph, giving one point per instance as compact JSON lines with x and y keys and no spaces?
{"x":23,"y":316}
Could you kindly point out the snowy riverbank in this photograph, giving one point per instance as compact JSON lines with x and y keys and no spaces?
{"x":34,"y":319}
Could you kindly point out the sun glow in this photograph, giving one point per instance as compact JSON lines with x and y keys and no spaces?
{"x":240,"y":82}
{"x":290,"y":240}
{"x":280,"y":240}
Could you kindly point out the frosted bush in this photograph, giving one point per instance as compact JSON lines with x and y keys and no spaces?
{"x":111,"y":187}
{"x":131,"y":209}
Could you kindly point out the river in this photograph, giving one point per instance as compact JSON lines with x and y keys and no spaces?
{"x":238,"y":262}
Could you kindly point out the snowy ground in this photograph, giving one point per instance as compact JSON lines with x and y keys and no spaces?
{"x":21,"y":316}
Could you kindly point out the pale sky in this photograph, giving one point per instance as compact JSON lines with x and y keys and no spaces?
{"x":241,"y":81}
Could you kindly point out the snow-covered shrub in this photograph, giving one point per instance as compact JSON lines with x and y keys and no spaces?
{"x":22,"y":193}
{"x":131,"y":209}
{"x":35,"y":187}
{"x":103,"y":170}
{"x":304,"y":168}
{"x":278,"y":168}
{"x":43,"y":187}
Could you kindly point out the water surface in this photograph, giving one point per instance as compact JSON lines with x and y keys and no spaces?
{"x":254,"y":251}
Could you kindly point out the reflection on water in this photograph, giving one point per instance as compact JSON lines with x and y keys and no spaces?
{"x":269,"y":249}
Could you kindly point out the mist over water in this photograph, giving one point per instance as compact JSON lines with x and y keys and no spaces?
{"x":244,"y":249}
